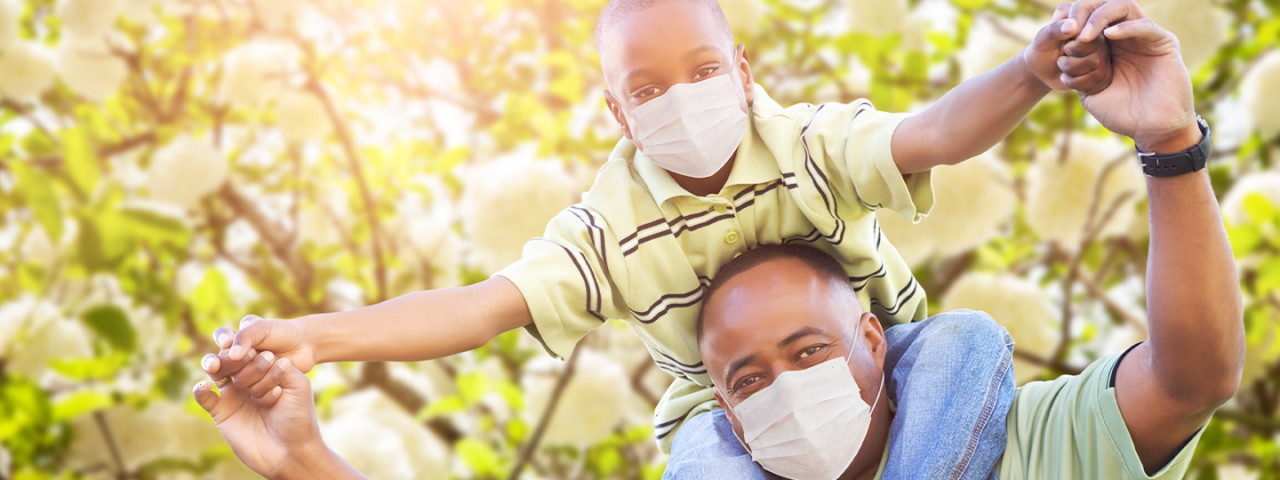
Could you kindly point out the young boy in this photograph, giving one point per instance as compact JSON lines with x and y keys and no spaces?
{"x":710,"y":167}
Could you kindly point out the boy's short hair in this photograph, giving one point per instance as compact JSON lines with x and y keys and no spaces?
{"x":619,"y":9}
{"x":823,"y":264}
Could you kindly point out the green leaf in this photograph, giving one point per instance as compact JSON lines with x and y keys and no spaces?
{"x":80,"y":403}
{"x":112,"y":324}
{"x":479,"y":457}
{"x":80,"y":160}
{"x":37,"y":189}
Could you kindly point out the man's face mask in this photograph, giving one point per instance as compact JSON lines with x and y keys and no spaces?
{"x":808,"y":424}
{"x":693,"y":128}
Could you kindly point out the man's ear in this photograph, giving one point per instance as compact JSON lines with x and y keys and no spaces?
{"x":744,"y":71}
{"x":873,"y":334}
{"x":733,"y":419}
{"x":615,"y":109}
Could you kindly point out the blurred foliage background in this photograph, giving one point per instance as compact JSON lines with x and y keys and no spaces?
{"x":167,"y":166}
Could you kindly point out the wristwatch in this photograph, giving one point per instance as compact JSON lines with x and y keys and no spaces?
{"x":1190,"y":160}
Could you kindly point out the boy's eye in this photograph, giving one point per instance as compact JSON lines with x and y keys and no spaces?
{"x":646,"y":92}
{"x":704,"y":73}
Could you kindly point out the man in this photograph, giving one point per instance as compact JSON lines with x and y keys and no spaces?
{"x":803,"y":374}
{"x":1075,"y":426}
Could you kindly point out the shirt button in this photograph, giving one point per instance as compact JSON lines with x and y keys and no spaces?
{"x":731,"y":238}
{"x":720,"y":208}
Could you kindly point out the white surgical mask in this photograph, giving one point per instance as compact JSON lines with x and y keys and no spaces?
{"x":808,"y":424}
{"x":693,"y":128}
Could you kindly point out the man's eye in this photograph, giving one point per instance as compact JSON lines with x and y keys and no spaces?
{"x":746,"y":383}
{"x":810,"y":351}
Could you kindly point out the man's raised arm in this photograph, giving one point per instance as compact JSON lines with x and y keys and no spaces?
{"x":1168,"y":387}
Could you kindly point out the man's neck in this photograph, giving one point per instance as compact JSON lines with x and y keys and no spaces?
{"x":867,"y":462}
{"x":706,"y":186}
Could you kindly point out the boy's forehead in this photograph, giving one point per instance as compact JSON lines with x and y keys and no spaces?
{"x":666,"y":30}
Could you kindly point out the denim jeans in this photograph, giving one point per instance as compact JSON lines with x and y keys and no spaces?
{"x":951,"y":377}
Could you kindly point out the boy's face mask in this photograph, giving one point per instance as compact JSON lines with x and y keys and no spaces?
{"x":807,"y":424}
{"x":694,"y":128}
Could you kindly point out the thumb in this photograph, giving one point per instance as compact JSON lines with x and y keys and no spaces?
{"x":1142,"y":28}
{"x":248,"y":338}
{"x":1052,"y":36}
{"x":206,"y":398}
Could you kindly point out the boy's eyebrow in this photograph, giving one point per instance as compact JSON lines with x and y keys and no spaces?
{"x":636,"y":73}
{"x":696,"y":51}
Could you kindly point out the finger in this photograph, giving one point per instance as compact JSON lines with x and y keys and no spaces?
{"x":248,"y":320}
{"x":1078,"y":49}
{"x":1076,"y":67}
{"x":227,"y":366}
{"x":293,"y":381}
{"x":1062,"y":11}
{"x":1083,"y":9}
{"x":222,"y":337}
{"x":248,"y":338}
{"x":1088,"y":84}
{"x":1109,"y":14}
{"x":1142,"y":28}
{"x":206,"y":398}
{"x":270,"y":398}
{"x":1052,"y":36}
{"x":253,"y":372}
{"x":270,"y":379}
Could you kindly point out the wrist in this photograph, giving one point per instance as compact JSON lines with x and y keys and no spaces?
{"x":312,"y":335}
{"x":310,"y":462}
{"x":1027,"y":73}
{"x":1179,"y":140}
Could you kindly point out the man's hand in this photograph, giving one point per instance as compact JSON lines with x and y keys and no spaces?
{"x":287,"y":338}
{"x":1149,"y":97}
{"x":270,"y":433}
{"x":1090,"y":66}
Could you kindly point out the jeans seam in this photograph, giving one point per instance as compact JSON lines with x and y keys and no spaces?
{"x":981,"y":423}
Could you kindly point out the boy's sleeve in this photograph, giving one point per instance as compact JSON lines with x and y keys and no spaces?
{"x":567,"y":280}
{"x":856,"y":142}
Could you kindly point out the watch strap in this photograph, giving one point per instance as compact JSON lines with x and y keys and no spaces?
{"x":1173,"y":164}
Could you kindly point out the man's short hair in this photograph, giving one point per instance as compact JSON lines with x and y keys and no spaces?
{"x":821,"y":263}
{"x":619,"y":9}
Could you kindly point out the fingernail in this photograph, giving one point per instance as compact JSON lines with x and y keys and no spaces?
{"x":1086,"y":30}
{"x":199,"y":386}
{"x":268,"y":356}
{"x":223,"y":340}
{"x":1068,"y":25}
{"x":206,"y":362}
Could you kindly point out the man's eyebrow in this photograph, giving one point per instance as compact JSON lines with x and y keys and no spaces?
{"x":735,"y":366}
{"x":804,"y":332}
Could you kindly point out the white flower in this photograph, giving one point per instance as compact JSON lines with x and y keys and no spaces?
{"x":1016,"y":304}
{"x":1059,"y":191}
{"x":89,"y":68}
{"x":57,"y":339}
{"x":988,"y":46}
{"x":878,"y":18}
{"x":377,"y":437}
{"x":278,"y":14}
{"x":1236,"y":471}
{"x":185,"y":170}
{"x":26,"y":70}
{"x":591,"y":405}
{"x":254,"y":72}
{"x":10,"y":22}
{"x":508,"y":202}
{"x":1260,"y":94}
{"x":88,"y":18}
{"x":1201,"y":27}
{"x":162,"y":430}
{"x":744,"y":16}
{"x":302,"y":117}
{"x":25,"y":312}
{"x":1263,"y":184}
{"x":427,"y":237}
{"x":971,"y":201}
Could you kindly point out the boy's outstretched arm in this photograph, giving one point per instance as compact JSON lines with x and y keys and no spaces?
{"x":417,"y":326}
{"x":980,"y":112}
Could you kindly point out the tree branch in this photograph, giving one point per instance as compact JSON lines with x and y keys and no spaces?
{"x":527,"y":450}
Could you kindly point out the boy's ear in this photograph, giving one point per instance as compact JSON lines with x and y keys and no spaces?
{"x":744,"y":70}
{"x":615,"y":109}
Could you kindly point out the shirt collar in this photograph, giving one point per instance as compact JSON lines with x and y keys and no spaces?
{"x":753,"y":163}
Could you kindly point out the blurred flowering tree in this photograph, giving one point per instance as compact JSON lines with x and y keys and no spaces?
{"x":167,"y":166}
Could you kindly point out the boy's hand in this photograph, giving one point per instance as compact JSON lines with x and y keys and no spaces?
{"x":287,"y":338}
{"x":1056,"y":55}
